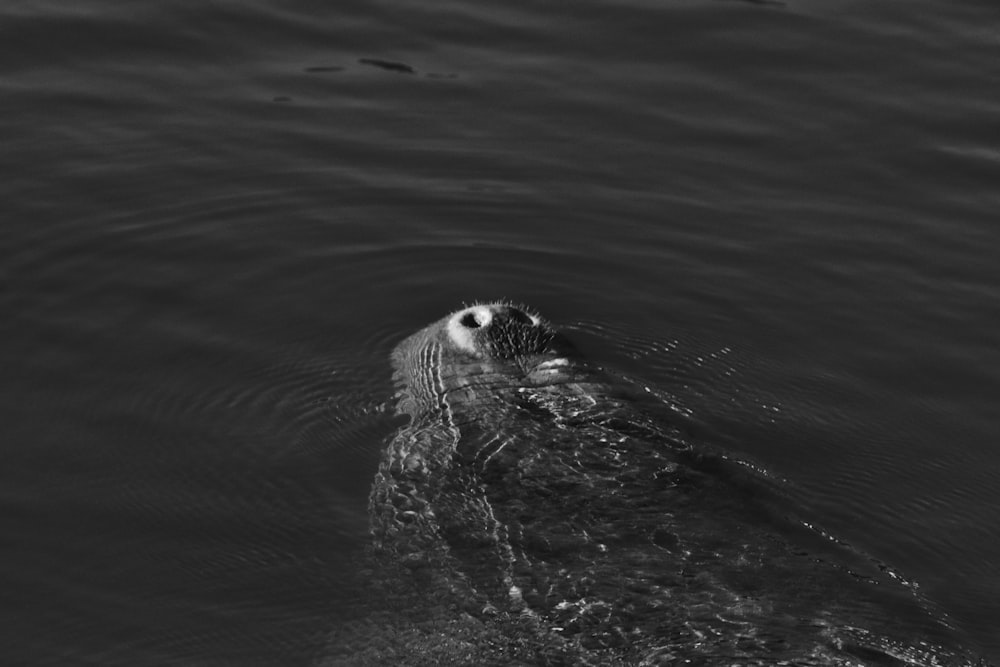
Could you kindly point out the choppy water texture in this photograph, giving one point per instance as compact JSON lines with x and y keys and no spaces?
{"x":217,"y":219}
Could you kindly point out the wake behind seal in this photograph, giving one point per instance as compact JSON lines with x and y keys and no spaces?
{"x":577,"y":524}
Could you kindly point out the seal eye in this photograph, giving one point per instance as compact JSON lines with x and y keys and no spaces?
{"x":470,"y":321}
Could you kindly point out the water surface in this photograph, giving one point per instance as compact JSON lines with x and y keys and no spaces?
{"x":218,"y":220}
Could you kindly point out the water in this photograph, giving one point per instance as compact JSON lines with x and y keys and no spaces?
{"x":217,"y":221}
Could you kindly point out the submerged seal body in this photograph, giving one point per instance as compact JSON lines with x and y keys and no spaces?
{"x":532,"y":492}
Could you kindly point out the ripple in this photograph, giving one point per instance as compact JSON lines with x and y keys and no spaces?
{"x":710,"y":378}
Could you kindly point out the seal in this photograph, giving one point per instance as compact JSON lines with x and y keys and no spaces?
{"x":545,"y":498}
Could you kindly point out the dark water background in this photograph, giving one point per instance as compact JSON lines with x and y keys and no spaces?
{"x":216,"y":221}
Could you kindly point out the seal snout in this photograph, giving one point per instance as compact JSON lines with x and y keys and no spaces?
{"x":482,"y":316}
{"x":476,"y":329}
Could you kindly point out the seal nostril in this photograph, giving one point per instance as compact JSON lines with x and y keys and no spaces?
{"x":469,"y":321}
{"x":519,"y":316}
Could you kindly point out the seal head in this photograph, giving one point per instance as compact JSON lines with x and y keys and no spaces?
{"x":498,"y":330}
{"x":486,"y":346}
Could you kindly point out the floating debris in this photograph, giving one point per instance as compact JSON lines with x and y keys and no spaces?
{"x":388,"y":65}
{"x":324,"y":69}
